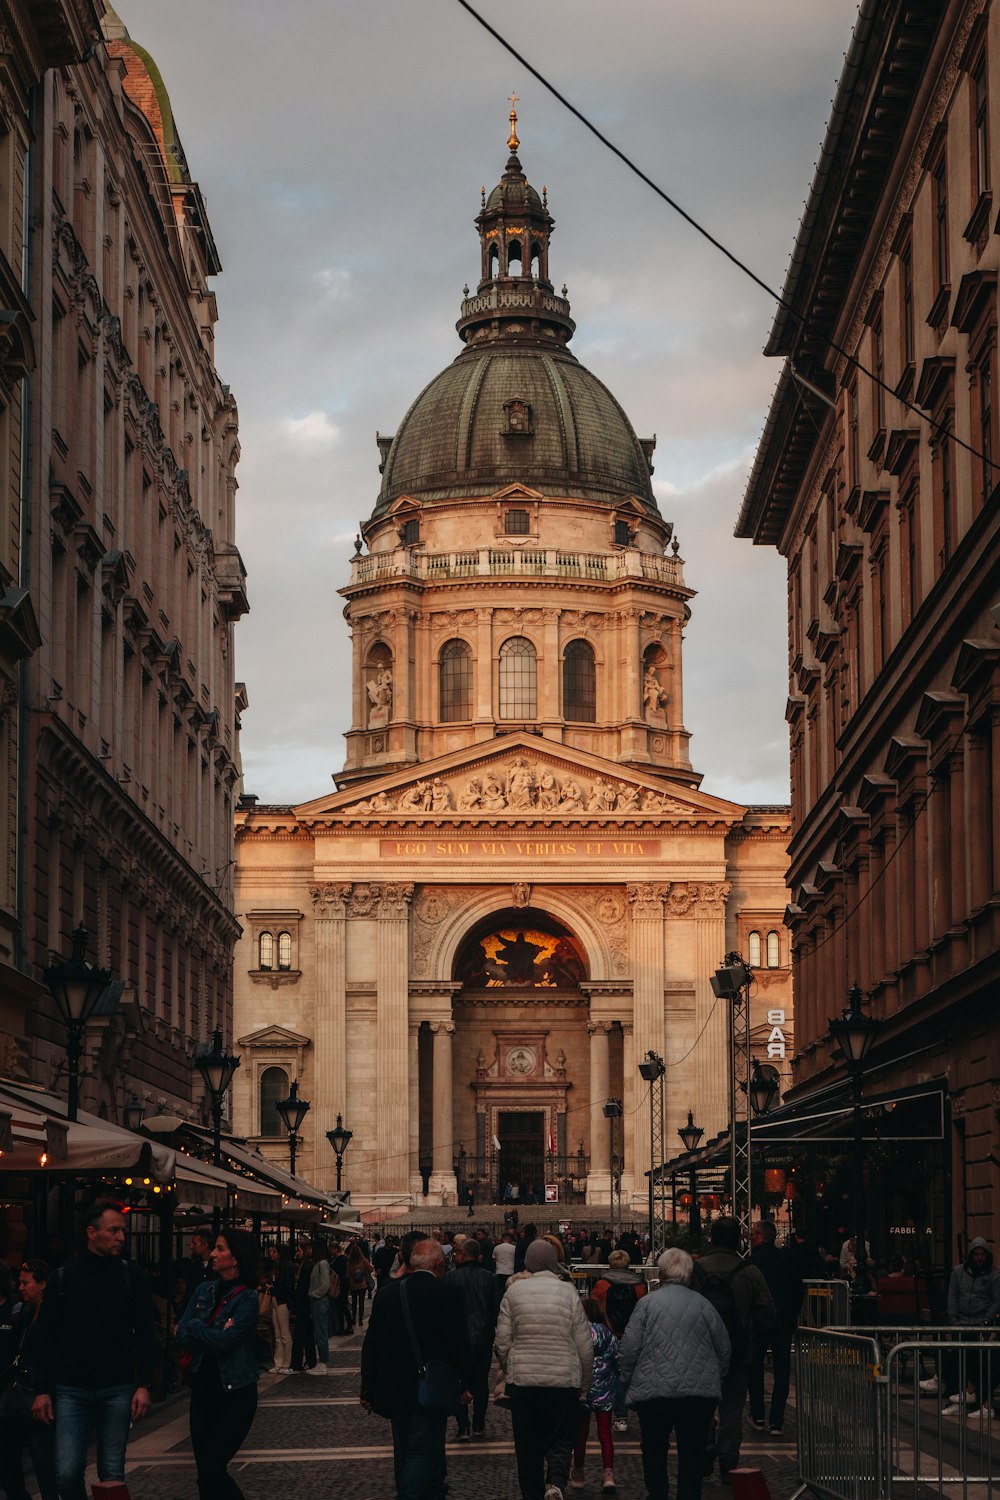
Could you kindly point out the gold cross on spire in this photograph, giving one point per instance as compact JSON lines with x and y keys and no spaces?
{"x":512,"y":140}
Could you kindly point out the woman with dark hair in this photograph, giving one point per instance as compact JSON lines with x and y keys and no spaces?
{"x":359,"y":1280}
{"x":218,"y":1332}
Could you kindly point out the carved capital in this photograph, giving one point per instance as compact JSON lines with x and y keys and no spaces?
{"x":446,"y":1028}
{"x":394,"y":899}
{"x":647,"y":901}
{"x":329,"y":900}
{"x":595,"y":1027}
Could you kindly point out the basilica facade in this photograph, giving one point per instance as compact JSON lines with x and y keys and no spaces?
{"x":520,"y":886}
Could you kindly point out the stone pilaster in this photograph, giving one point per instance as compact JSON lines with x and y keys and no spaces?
{"x":706,"y":1075}
{"x":392,"y":1127}
{"x":629,"y":1102}
{"x":649,"y":977}
{"x":329,"y":1085}
{"x":599,"y":1178}
{"x":443,"y":1180}
{"x":413,"y":1164}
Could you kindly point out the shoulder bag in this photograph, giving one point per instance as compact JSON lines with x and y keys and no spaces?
{"x":438,"y":1385}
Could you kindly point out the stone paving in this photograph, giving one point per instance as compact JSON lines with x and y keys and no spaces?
{"x":311,"y":1438}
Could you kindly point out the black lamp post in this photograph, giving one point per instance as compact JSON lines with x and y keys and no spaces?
{"x":764,"y":1090}
{"x":613,"y":1112}
{"x":340,"y":1138}
{"x":216,"y":1068}
{"x":133,"y":1113}
{"x":651,"y":1070}
{"x":293,"y":1111}
{"x":856,"y":1032}
{"x":691,"y":1134}
{"x":75,"y":986}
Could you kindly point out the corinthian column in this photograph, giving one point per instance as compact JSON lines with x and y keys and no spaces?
{"x":442,"y":1114}
{"x":648,"y":980}
{"x":599,"y":1177}
{"x":392,"y":1127}
{"x":329,"y":1085}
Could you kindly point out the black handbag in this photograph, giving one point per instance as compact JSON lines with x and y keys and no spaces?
{"x":439,"y":1387}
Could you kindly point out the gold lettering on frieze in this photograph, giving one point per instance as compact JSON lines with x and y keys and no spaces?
{"x":479,"y":848}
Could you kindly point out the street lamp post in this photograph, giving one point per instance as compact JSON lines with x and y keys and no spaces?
{"x":216,"y":1067}
{"x":75,"y":986}
{"x":856,"y":1032}
{"x":613,"y":1112}
{"x":691,"y":1134}
{"x":732,"y":981}
{"x":293,"y":1111}
{"x":651,"y":1070}
{"x":763,"y":1093}
{"x":340,"y":1138}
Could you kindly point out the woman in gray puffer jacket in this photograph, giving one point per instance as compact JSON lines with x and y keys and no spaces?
{"x":673,"y":1356}
{"x":545,"y":1349}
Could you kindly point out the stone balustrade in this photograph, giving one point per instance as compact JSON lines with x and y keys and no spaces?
{"x":511,"y":562}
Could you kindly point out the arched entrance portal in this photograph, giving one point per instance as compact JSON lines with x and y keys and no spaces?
{"x":522,"y":1059}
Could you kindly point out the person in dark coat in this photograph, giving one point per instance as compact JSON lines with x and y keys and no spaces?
{"x":94,"y":1353}
{"x":389,"y":1368}
{"x":303,"y":1337}
{"x":17,"y":1429}
{"x":780,"y":1270}
{"x":476,"y":1284}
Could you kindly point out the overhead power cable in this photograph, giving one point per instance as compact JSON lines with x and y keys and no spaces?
{"x":940,"y":428}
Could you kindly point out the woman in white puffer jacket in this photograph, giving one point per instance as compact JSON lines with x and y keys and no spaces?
{"x":545,"y":1349}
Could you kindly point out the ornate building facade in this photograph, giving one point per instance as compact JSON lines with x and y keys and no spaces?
{"x":878,"y":481}
{"x":128,"y":752}
{"x":519,"y":887}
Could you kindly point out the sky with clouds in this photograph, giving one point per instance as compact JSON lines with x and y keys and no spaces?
{"x":340,"y":146}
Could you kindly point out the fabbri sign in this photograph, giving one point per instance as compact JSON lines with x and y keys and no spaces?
{"x":776,"y":1034}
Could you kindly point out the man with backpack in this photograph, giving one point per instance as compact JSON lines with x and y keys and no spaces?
{"x":739,"y":1294}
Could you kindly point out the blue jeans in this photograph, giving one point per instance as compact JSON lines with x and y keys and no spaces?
{"x":80,"y":1412}
{"x":418,"y":1454}
{"x":321,"y":1327}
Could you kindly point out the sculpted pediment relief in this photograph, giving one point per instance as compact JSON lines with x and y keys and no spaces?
{"x":517,"y":779}
{"x":274,"y":1036}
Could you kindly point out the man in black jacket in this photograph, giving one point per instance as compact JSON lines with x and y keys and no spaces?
{"x":94,"y":1353}
{"x":780,"y":1270}
{"x":481,"y":1307}
{"x":390,"y":1370}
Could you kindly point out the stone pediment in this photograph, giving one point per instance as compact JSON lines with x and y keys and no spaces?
{"x":274,"y":1036}
{"x":519,"y":778}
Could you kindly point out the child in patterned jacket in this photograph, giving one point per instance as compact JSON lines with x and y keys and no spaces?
{"x":600,"y":1399}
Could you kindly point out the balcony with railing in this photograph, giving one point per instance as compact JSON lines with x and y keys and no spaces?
{"x":514,"y":562}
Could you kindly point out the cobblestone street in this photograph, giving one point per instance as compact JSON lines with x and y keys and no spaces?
{"x":311,"y":1438}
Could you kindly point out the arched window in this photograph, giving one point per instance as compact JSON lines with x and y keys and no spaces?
{"x":753,"y":950}
{"x":456,"y":682}
{"x":773,"y":951}
{"x":579,"y":683}
{"x":494,"y":262}
{"x":514,"y":260}
{"x":265,"y":951}
{"x":284,"y":950}
{"x":518,"y":679}
{"x":273,"y":1086}
{"x":536,"y":256}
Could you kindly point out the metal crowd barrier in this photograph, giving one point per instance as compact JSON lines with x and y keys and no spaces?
{"x":875,"y":1418}
{"x":827,"y":1304}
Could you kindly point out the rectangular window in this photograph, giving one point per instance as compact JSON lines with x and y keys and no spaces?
{"x":623,"y":534}
{"x":853,"y":441}
{"x":516,"y":523}
{"x":981,"y":105}
{"x":945,"y":493}
{"x":410,"y":533}
{"x":906,"y":289}
{"x":940,"y":210}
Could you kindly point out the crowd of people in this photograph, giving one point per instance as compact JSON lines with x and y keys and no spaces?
{"x":78,"y":1346}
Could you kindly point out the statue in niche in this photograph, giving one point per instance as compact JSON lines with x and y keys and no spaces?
{"x":379,"y":697}
{"x":654,"y":697}
{"x":520,"y":786}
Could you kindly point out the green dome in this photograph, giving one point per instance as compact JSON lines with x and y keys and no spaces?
{"x":455,"y":440}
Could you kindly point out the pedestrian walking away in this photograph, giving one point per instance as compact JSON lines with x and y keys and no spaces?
{"x":416,"y":1325}
{"x":18,"y":1430}
{"x":281,"y":1285}
{"x":217,"y":1335}
{"x":617,"y":1292}
{"x":599,"y":1401}
{"x":319,"y":1306}
{"x":780,"y":1269}
{"x":546,"y":1352}
{"x":476,"y":1285}
{"x":739,"y":1294}
{"x":673,"y":1360}
{"x":360,"y":1281}
{"x":94,"y":1352}
{"x":303,"y":1337}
